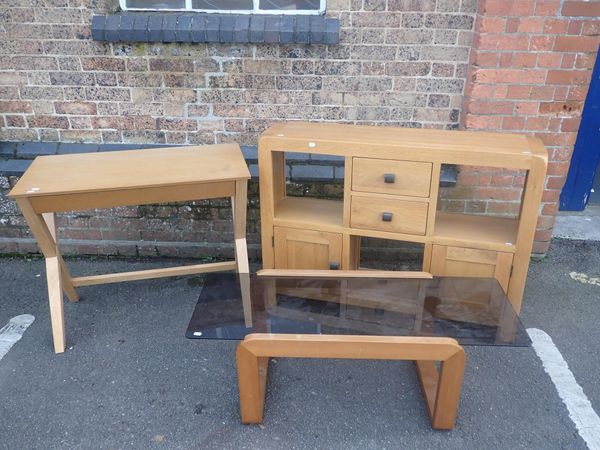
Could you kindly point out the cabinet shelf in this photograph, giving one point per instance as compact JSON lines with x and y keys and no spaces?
{"x":310,"y":212}
{"x":498,"y":233}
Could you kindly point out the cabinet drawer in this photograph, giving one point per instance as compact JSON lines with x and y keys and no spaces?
{"x":396,"y":216}
{"x":388,"y":176}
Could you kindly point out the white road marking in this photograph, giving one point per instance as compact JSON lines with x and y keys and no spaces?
{"x":585,"y":279}
{"x":580,"y":409}
{"x":13,"y":331}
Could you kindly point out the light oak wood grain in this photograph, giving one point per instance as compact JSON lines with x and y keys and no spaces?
{"x":55,"y":298}
{"x":498,"y":233}
{"x":441,"y":389}
{"x":131,"y":169}
{"x":310,"y":273}
{"x":72,"y":295}
{"x":305,"y":249}
{"x":452,"y":147}
{"x":410,"y":178}
{"x":469,"y":262}
{"x":309,"y":211}
{"x":407,"y":217}
{"x":102,"y":180}
{"x":153,"y":273}
{"x":129,"y":197}
{"x":359,"y":213}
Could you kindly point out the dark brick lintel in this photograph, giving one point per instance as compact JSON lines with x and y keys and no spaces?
{"x":223,"y":28}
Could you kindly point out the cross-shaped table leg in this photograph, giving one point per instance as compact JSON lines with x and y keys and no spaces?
{"x":239,"y":204}
{"x":43,"y":228}
{"x":72,"y":295}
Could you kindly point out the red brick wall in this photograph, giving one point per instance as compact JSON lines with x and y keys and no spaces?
{"x":399,"y":62}
{"x":530,"y":69}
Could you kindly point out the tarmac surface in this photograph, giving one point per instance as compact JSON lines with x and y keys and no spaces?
{"x":583,"y":225}
{"x":130,"y":379}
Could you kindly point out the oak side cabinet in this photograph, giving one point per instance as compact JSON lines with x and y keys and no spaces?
{"x":391,"y":187}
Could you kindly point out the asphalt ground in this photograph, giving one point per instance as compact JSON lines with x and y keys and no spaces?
{"x":130,"y":379}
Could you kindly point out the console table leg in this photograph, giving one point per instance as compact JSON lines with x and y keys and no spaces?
{"x":43,"y":228}
{"x":55,"y":298}
{"x":239,"y":204}
{"x":252,"y":381}
{"x":241,"y":256}
{"x":72,"y":295}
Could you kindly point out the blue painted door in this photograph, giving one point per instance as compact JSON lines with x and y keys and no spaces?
{"x":586,"y":155}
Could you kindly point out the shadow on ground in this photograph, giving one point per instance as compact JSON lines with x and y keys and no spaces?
{"x":131,"y":380}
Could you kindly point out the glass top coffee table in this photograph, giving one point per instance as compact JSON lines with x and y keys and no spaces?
{"x":356,"y":315}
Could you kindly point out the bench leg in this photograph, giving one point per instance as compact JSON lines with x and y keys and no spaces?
{"x":448,"y":391}
{"x":252,"y":381}
{"x":442,"y":388}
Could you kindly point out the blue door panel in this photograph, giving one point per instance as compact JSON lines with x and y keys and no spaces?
{"x":586,"y":154}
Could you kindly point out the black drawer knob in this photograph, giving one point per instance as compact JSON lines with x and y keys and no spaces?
{"x":389,"y":178}
{"x":387,"y":216}
{"x":334,"y":266}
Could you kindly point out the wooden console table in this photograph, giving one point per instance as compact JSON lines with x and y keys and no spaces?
{"x":391,"y":189}
{"x":54,"y":184}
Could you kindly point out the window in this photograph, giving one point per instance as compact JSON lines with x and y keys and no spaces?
{"x":229,"y":6}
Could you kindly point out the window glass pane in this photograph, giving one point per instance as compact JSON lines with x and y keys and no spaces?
{"x":156,"y":4}
{"x":222,"y":4}
{"x":290,"y":4}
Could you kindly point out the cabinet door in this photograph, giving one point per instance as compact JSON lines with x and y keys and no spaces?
{"x":307,"y":249}
{"x":471,"y":262}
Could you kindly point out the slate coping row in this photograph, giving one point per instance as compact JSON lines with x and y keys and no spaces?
{"x":218,"y":28}
{"x":29,"y":150}
{"x":15,"y":157}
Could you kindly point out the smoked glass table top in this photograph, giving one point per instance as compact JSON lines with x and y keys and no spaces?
{"x":474,"y":311}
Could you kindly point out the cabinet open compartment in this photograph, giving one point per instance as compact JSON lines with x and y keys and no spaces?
{"x":483,"y":210}
{"x":311,"y":212}
{"x":311,"y":190}
{"x":388,"y":254}
{"x":483,"y":231}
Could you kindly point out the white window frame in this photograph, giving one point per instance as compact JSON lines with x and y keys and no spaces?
{"x":255,"y":9}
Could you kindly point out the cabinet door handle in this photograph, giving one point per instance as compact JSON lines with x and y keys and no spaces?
{"x":334,"y":266}
{"x":387,"y":216}
{"x":389,"y":178}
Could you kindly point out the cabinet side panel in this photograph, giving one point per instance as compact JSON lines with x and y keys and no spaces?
{"x":530,"y":210}
{"x":271,"y":168}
